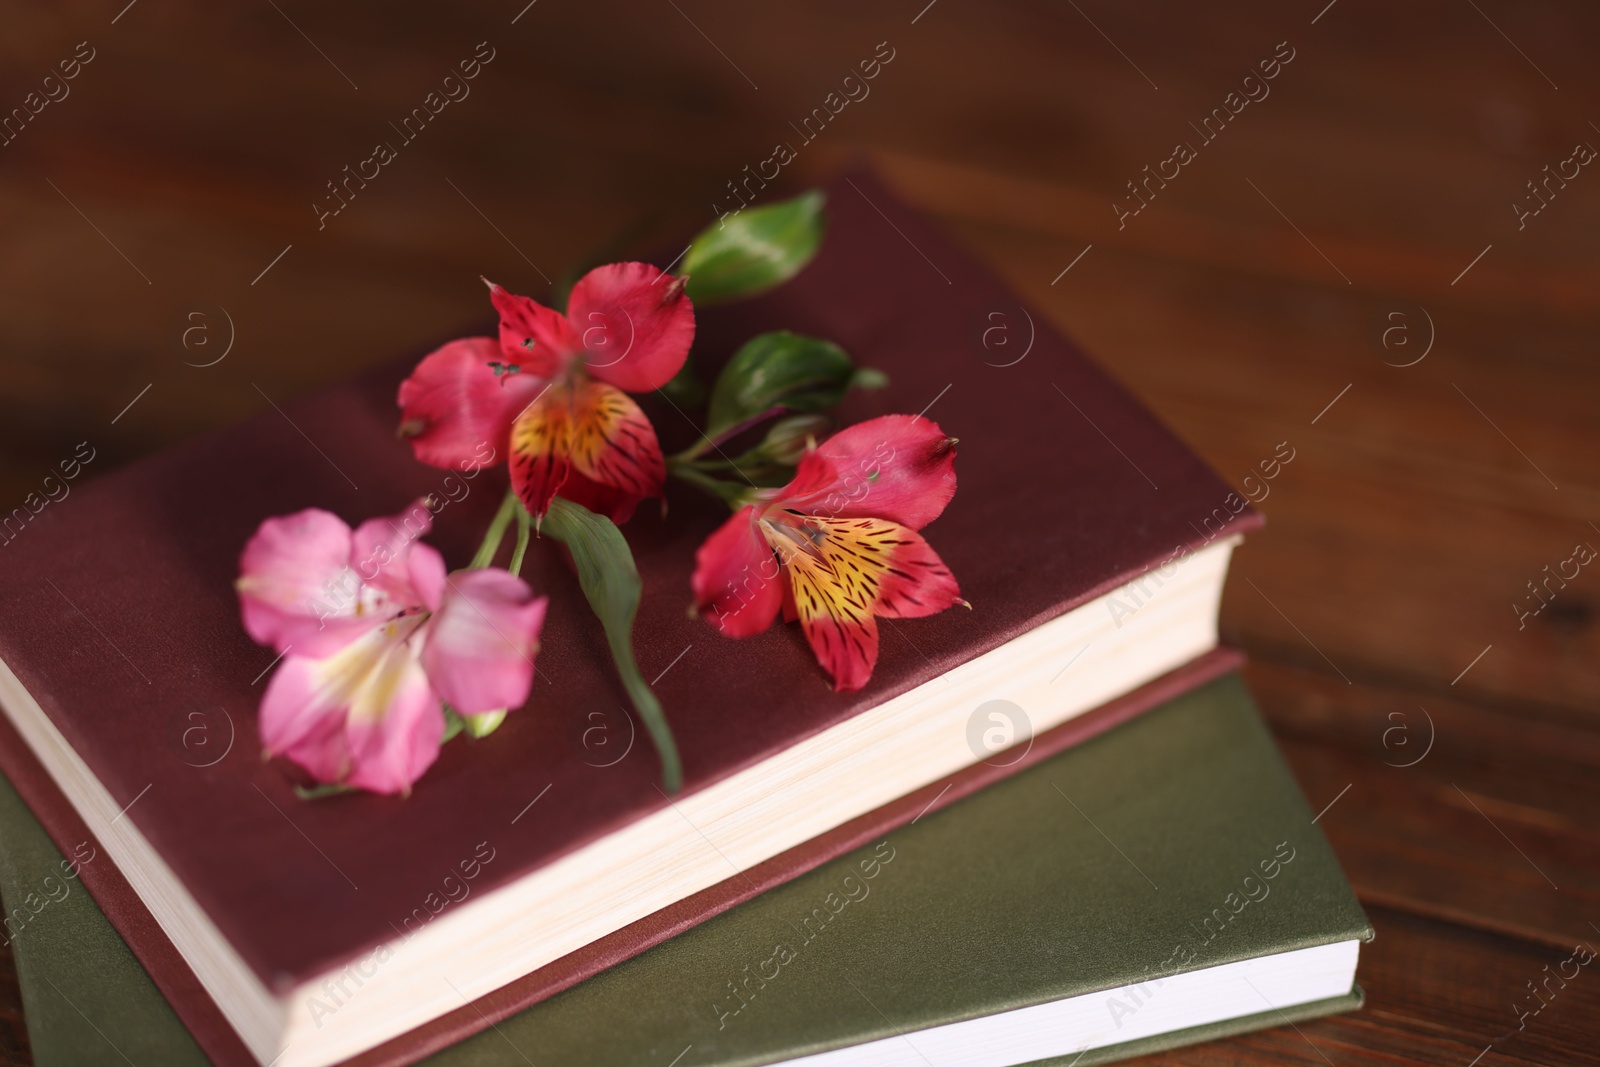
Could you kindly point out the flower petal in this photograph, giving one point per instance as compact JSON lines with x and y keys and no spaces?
{"x":425,"y":569}
{"x":456,"y":411}
{"x":537,"y":338}
{"x":296,"y":587}
{"x":302,"y":716}
{"x":895,"y":467}
{"x":305,"y":709}
{"x":916,"y":582}
{"x":614,"y":444}
{"x":634,"y":323}
{"x":381,"y":553}
{"x":322,"y":752}
{"x":737,"y":582}
{"x":480,"y":645}
{"x":592,"y":430}
{"x":843,"y":637}
{"x":541,"y":447}
{"x":395,"y":725}
{"x":846,"y":571}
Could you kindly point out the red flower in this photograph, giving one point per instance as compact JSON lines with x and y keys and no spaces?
{"x":552,"y":391}
{"x":838,"y":546}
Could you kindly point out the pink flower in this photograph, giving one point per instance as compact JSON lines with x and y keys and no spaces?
{"x":837,"y":547}
{"x":374,"y":635}
{"x":552,"y":391}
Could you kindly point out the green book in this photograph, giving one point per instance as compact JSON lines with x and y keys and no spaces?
{"x":1159,"y":885}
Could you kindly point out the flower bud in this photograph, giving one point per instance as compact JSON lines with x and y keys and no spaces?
{"x":790,"y":437}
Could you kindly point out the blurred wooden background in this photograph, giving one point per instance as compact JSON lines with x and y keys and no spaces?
{"x":170,"y":192}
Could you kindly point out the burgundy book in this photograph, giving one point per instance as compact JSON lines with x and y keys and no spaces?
{"x":1091,"y":543}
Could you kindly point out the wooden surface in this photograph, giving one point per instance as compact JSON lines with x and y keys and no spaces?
{"x":1252,"y":293}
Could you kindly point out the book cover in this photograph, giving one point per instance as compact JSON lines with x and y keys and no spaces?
{"x":1104,"y":869}
{"x":121,"y":622}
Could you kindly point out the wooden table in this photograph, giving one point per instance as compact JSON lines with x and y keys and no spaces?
{"x":1353,"y":265}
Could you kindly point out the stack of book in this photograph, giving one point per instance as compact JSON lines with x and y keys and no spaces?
{"x":1053,"y":829}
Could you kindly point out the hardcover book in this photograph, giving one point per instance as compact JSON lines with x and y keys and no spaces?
{"x":1155,"y":886}
{"x":1090,"y":543}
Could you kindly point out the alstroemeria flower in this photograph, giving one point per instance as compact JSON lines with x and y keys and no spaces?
{"x":373,"y":636}
{"x":838,"y":546}
{"x":552,"y":391}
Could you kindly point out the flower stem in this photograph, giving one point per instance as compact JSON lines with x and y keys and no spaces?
{"x":524,"y":528}
{"x":713,"y":440}
{"x":497,"y":530}
{"x":729,"y":493}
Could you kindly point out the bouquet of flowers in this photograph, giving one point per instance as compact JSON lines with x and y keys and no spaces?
{"x":387,"y":654}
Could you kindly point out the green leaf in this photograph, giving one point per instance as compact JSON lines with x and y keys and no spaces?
{"x":755,"y":250}
{"x":782,"y":371}
{"x":453,"y":723}
{"x":611,"y":583}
